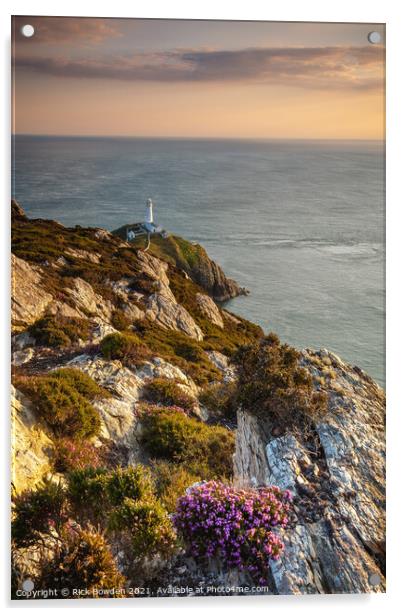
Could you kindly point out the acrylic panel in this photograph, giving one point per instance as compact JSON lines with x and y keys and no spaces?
{"x":198,"y":314}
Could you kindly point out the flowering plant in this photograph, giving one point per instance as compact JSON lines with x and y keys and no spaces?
{"x":70,"y":454}
{"x":235,"y":525}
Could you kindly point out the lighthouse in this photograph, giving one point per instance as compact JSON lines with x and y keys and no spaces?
{"x":147,"y":227}
{"x":149,"y":216}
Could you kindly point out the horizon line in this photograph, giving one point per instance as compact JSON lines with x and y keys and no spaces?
{"x":193,"y":137}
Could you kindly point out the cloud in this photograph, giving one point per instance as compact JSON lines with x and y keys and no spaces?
{"x":308,"y":67}
{"x":65,"y":30}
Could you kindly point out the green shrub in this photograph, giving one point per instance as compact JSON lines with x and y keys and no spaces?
{"x":61,"y":405}
{"x":206,"y":451}
{"x":220,"y":399}
{"x":147,"y":524}
{"x":58,"y":331}
{"x":178,"y":349}
{"x":37,"y":512}
{"x":95,"y":491}
{"x":171,"y":482}
{"x":126,"y":347}
{"x":271,"y":383}
{"x":119,"y":320}
{"x":133,"y":482}
{"x":167,"y":393}
{"x":123,"y":501}
{"x":190,"y":350}
{"x":81,"y":382}
{"x":82,"y":561}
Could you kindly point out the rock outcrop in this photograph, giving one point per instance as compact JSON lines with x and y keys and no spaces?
{"x":171,"y":315}
{"x":337,"y":541}
{"x":87,"y":301}
{"x":119,"y":414}
{"x":210,"y":276}
{"x":209,"y":309}
{"x":29,"y":300}
{"x":17,"y":212}
{"x":192,"y":259}
{"x":30,"y":445}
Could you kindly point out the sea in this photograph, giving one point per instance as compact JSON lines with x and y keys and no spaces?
{"x":301,"y":224}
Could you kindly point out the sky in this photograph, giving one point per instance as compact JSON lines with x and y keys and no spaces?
{"x":206,"y":79}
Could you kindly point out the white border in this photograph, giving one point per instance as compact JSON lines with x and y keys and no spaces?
{"x":388,"y":11}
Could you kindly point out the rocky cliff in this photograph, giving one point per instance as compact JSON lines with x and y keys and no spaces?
{"x":86,"y":300}
{"x":194,"y":260}
{"x":337,"y":474}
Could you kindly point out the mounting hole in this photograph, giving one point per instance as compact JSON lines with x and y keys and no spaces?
{"x":28,"y":585}
{"x":374,"y":38}
{"x":27,"y":30}
{"x":374,"y":579}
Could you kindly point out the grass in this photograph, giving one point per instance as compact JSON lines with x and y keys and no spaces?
{"x":175,"y":250}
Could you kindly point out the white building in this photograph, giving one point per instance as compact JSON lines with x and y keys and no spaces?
{"x":147,"y":227}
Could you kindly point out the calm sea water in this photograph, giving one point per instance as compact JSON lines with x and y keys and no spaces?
{"x":301,"y":224}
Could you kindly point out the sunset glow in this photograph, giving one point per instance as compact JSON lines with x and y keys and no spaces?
{"x":79,"y":76}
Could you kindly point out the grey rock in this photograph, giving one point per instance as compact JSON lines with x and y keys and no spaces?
{"x":209,"y":309}
{"x":22,"y":357}
{"x":171,"y":315}
{"x":339,"y":537}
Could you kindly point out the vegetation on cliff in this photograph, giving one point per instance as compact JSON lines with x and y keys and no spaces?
{"x":205,"y":451}
{"x":127,"y":347}
{"x":168,"y":393}
{"x":59,"y":331}
{"x":272,"y":383}
{"x":142,"y":428}
{"x":192,"y":259}
{"x":238,"y":525}
{"x":63,"y":399}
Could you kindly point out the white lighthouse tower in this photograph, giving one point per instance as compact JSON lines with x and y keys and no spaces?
{"x":147,"y":227}
{"x":149,"y":216}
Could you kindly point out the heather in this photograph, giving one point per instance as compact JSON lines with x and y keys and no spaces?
{"x":95,"y":492}
{"x":38,"y":512}
{"x":171,"y":481}
{"x":178,"y":349}
{"x":240,"y":527}
{"x":120,"y":503}
{"x":70,"y":454}
{"x":220,"y":399}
